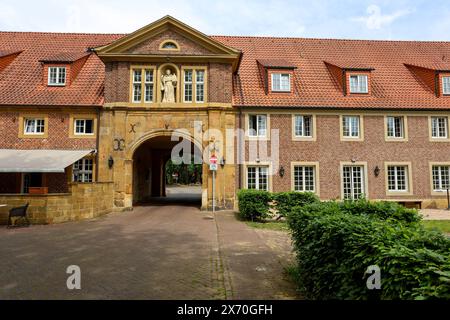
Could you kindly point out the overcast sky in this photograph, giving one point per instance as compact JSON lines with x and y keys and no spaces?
{"x":361,"y":19}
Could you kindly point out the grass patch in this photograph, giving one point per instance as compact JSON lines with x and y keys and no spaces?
{"x":277,"y":226}
{"x":441,"y":225}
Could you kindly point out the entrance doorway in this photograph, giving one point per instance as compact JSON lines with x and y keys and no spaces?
{"x":158,"y":180}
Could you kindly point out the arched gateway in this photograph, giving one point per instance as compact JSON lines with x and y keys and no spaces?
{"x":152,"y":90}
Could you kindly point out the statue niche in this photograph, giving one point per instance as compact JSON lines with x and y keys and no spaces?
{"x":168,"y":86}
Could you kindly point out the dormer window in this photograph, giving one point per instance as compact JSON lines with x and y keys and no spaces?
{"x":281,"y":82}
{"x":358,"y":84}
{"x":57,"y":76}
{"x":446,"y":85}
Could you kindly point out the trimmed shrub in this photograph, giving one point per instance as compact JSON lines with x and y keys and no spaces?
{"x":334,"y":251}
{"x":285,"y":201}
{"x":253,"y":204}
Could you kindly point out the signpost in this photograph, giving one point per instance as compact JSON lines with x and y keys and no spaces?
{"x":213,"y":168}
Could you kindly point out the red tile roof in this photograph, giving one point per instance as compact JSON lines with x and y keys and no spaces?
{"x":393,"y":84}
{"x":66,"y":56}
{"x":21,"y":82}
{"x":351,"y":64}
{"x":276,"y":63}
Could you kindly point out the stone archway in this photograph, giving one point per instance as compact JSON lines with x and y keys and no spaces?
{"x":148,"y":157}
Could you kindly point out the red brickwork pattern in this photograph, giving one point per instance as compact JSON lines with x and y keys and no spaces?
{"x":58,"y":134}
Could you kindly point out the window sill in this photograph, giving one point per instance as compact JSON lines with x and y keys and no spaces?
{"x":399,"y":193}
{"x":396,"y":139}
{"x":302,"y":138}
{"x":434,"y":139}
{"x":349,"y":139}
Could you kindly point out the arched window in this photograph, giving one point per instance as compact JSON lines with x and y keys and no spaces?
{"x":169,"y":45}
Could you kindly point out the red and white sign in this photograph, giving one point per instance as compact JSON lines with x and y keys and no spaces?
{"x":213,"y":159}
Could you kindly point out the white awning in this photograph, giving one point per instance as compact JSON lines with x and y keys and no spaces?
{"x":39,"y":160}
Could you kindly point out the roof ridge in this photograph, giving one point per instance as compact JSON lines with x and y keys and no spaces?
{"x":65,"y":33}
{"x":330,"y":39}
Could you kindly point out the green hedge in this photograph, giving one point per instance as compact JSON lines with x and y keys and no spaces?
{"x":286,"y":201}
{"x":335,"y":243}
{"x":253,"y":204}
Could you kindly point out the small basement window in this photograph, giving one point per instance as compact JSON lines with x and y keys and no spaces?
{"x":56,"y":76}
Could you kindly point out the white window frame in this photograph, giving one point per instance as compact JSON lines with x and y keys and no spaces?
{"x":311,"y":126}
{"x":439,"y":170}
{"x":136,"y":84}
{"x":303,"y":183}
{"x":446,"y":85}
{"x":257,"y":134}
{"x":394,"y":127}
{"x":188,"y":83}
{"x":363,"y":180}
{"x":281,"y":88}
{"x":35,"y":126}
{"x":351,"y":127}
{"x":358,"y":85}
{"x":436,"y":126}
{"x":258,"y":169}
{"x":83,"y":172}
{"x":59,"y":74}
{"x":83,"y":126}
{"x":149,"y":83}
{"x":396,"y":176}
{"x":198,"y":84}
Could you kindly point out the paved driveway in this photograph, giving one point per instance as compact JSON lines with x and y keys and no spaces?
{"x":153,"y":252}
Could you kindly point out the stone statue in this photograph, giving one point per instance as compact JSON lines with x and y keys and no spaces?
{"x":168,"y":85}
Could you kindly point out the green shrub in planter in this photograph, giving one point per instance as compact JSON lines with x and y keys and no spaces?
{"x":334,"y":251}
{"x":253,"y":204}
{"x":285,"y":201}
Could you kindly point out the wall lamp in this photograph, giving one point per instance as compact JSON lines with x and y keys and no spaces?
{"x":110,"y":162}
{"x":376,"y":171}
{"x":222,"y":162}
{"x":281,"y":171}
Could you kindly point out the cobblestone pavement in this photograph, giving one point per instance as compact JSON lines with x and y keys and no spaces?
{"x":152,"y":252}
{"x":435,"y":214}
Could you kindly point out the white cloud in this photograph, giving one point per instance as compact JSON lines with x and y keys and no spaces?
{"x":375,"y":20}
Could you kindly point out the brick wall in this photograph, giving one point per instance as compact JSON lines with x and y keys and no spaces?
{"x":329,"y":151}
{"x":58,"y":133}
{"x":117,"y":81}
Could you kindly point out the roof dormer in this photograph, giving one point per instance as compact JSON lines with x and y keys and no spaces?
{"x":353,"y":78}
{"x":435,"y":76}
{"x":61,"y":69}
{"x":6,"y":57}
{"x":277,"y":75}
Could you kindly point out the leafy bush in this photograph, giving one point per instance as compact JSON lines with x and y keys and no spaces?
{"x":335,"y":244}
{"x":286,"y":201}
{"x":253,"y":204}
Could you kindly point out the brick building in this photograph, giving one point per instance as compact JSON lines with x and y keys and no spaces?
{"x":85,"y":117}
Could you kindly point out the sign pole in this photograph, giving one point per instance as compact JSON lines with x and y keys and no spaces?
{"x":214,"y":191}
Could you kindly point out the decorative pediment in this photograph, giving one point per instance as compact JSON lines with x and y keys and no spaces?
{"x":165,"y":39}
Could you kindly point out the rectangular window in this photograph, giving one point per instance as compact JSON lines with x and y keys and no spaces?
{"x":358,"y":84}
{"x":200,"y":86}
{"x":82,"y":170}
{"x":303,"y":126}
{"x":281,"y":82}
{"x":446,"y":85}
{"x":350,"y":126}
{"x":137,"y":85}
{"x":257,"y":178}
{"x":34,"y":126}
{"x":353,"y":182}
{"x":304,"y":178}
{"x":395,"y":127}
{"x":397,"y":178}
{"x":257,"y":125}
{"x":149,"y":84}
{"x":84,"y":126}
{"x":56,"y":76}
{"x":439,"y":127}
{"x":188,"y":85}
{"x":440,"y":177}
